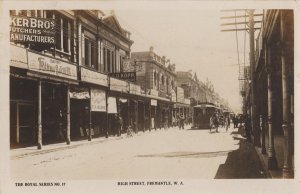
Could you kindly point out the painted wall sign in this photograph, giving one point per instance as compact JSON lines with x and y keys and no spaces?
{"x":31,"y":29}
{"x":93,"y":77}
{"x":51,"y":66}
{"x":98,"y":100}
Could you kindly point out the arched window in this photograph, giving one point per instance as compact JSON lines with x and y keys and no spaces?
{"x":155,"y":78}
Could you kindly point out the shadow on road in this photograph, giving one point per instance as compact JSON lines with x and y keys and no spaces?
{"x":242,"y":163}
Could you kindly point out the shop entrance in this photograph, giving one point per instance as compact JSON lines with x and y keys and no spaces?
{"x":80,"y":113}
{"x":22,"y":124}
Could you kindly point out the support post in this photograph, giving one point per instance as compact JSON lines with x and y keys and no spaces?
{"x":263,"y":140}
{"x":40,"y":132}
{"x":254,"y":117}
{"x":286,"y":103}
{"x":272,"y":161}
{"x":68,"y":116}
{"x":90,"y":118}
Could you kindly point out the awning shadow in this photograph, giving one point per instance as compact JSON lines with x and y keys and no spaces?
{"x":242,"y":163}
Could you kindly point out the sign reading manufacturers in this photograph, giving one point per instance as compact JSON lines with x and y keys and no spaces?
{"x":51,"y":66}
{"x":32,"y":30}
{"x":98,"y":100}
{"x":129,"y":76}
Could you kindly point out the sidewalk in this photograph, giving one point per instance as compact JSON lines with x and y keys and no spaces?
{"x":278,"y":142}
{"x":31,"y":151}
{"x":243,"y":162}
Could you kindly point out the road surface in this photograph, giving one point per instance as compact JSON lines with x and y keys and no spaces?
{"x":161,"y":154}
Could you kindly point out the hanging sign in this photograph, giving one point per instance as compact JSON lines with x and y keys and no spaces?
{"x":79,"y":93}
{"x":129,"y":76}
{"x":32,"y":30}
{"x":98,"y":100}
{"x":153,"y":102}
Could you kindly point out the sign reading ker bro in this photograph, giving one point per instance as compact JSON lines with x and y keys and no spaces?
{"x":32,"y":30}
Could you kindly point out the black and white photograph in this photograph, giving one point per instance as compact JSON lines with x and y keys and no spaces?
{"x":153,"y":97}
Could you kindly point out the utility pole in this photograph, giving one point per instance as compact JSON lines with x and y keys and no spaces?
{"x":250,"y":29}
{"x":254,"y":118}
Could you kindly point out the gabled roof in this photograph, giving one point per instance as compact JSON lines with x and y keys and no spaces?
{"x":112,"y":21}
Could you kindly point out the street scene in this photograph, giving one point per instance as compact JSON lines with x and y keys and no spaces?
{"x":151,"y":94}
{"x":176,"y":154}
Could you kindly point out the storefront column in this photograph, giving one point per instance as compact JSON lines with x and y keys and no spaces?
{"x":136,"y":116}
{"x":272,"y":161}
{"x":68,"y":116}
{"x":144,"y":117}
{"x":90,"y":118}
{"x":149,"y":116}
{"x":263,"y":131}
{"x":40,"y":132}
{"x":286,"y":103}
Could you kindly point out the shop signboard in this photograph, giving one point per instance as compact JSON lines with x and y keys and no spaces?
{"x":112,"y":105}
{"x":98,"y":100}
{"x":187,"y":101}
{"x":119,"y":85}
{"x":180,"y":94}
{"x":79,"y":93}
{"x":129,"y":76}
{"x":173,"y":95}
{"x":131,"y":66}
{"x":153,"y":92}
{"x":93,"y":77}
{"x":135,"y":89}
{"x":153,"y":102}
{"x":51,"y":66}
{"x":18,"y":57}
{"x":32,"y":30}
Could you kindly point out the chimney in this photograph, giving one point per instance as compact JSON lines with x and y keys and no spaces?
{"x":151,"y":48}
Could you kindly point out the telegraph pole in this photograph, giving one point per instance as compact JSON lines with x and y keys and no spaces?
{"x":254,"y":118}
{"x":250,"y":29}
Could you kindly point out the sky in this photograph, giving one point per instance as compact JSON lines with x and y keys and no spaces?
{"x":193,"y":41}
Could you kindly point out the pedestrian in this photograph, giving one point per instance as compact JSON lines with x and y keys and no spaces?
{"x":181,"y":121}
{"x":211,"y":122}
{"x":216,"y":122}
{"x":227,"y":122}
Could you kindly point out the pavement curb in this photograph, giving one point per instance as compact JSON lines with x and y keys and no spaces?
{"x":39,"y":152}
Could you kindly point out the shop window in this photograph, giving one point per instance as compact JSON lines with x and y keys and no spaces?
{"x":104,"y":59}
{"x":108,"y":64}
{"x":90,"y":50}
{"x":63,"y":33}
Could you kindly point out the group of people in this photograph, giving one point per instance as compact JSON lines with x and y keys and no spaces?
{"x":217,"y":120}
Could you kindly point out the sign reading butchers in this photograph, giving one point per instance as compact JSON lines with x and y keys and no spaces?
{"x":32,"y":30}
